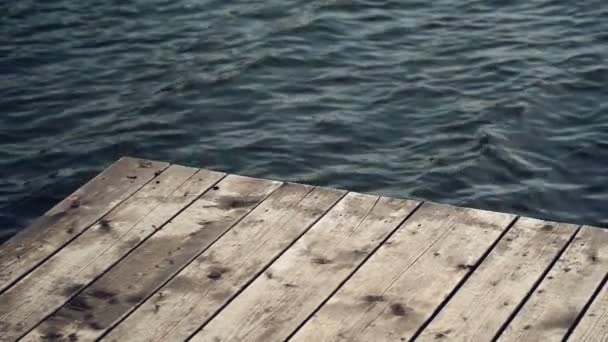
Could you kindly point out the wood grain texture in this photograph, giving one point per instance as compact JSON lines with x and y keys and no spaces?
{"x":486,"y":300}
{"x":72,"y":216}
{"x":400,"y":286}
{"x":272,"y":307}
{"x":559,"y":299}
{"x":152,"y":252}
{"x":593,"y":327}
{"x":178,"y":309}
{"x":53,"y":283}
{"x":105,"y":302}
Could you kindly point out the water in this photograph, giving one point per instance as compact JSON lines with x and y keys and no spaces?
{"x":491,"y":104}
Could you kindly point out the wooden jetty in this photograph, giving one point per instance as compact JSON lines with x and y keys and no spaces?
{"x":149,"y":251}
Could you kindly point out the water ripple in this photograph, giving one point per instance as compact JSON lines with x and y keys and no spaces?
{"x":491,"y":104}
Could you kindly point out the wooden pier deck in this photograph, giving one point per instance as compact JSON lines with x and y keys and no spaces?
{"x":148,"y":251}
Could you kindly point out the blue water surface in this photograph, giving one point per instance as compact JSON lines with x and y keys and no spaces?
{"x":495,"y":104}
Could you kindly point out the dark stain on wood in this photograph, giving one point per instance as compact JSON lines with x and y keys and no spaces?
{"x":215,"y":188}
{"x":70,"y":290}
{"x":132,"y":177}
{"x":72,"y":337}
{"x":547,"y":227}
{"x":106,"y":296}
{"x":104,"y":224}
{"x":217,"y":273}
{"x":359,"y":252}
{"x":134,"y":299}
{"x":101,"y":294}
{"x":593,"y":258}
{"x":52,"y":336}
{"x":78,"y":304}
{"x":268,"y":274}
{"x":442,"y":334}
{"x":289,"y":285}
{"x":95,"y":326}
{"x":397,"y":309}
{"x":347,"y":256}
{"x":75,"y":204}
{"x":562,"y":320}
{"x":238,"y":202}
{"x":464,"y":267}
{"x":373,"y":298}
{"x":321,"y":261}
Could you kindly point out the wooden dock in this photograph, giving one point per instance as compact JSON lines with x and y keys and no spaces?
{"x":148,"y":251}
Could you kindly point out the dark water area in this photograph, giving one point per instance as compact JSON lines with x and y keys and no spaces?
{"x":501,"y":105}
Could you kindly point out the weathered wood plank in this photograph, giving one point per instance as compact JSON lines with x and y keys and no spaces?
{"x":105,"y":302}
{"x":72,"y":216}
{"x":178,"y":309}
{"x":53,"y":283}
{"x":594,"y":325}
{"x":272,"y":307}
{"x":486,"y":300}
{"x":399,"y":287}
{"x":559,"y":299}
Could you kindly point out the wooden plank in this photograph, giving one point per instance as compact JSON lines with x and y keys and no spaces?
{"x":114,"y":295}
{"x":593,"y":327}
{"x":53,"y":283}
{"x":559,"y":299}
{"x":272,"y":307}
{"x":178,"y":309}
{"x":400,"y":286}
{"x":72,"y":216}
{"x":486,"y":300}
